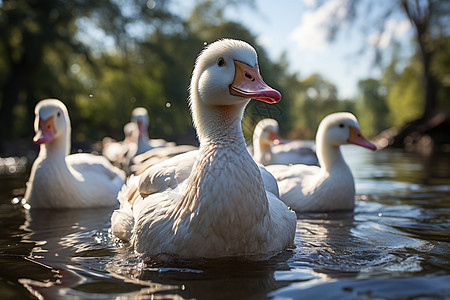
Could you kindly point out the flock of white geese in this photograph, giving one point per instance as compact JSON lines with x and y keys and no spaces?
{"x":207,"y":202}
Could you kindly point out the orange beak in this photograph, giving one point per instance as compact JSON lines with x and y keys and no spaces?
{"x":46,"y":131}
{"x":248,"y":83}
{"x":357,"y":138}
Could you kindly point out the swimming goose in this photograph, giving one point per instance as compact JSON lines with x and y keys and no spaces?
{"x":60,"y":180}
{"x":139,"y":115}
{"x":269,"y":150}
{"x":329,"y":187}
{"x":121,"y":153}
{"x":211,"y":202}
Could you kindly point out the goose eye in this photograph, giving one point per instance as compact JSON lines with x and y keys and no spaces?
{"x":341,"y":125}
{"x":221,"y":62}
{"x":58,"y":114}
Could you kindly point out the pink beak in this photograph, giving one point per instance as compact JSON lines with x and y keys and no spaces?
{"x":276,"y":139}
{"x":357,"y":138}
{"x":248,"y":83}
{"x":46,"y":132}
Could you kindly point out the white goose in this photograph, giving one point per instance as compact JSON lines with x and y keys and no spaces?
{"x":139,"y":115}
{"x":121,"y":153}
{"x":211,"y":202}
{"x":268,"y":149}
{"x":330,"y":187}
{"x":59,"y":180}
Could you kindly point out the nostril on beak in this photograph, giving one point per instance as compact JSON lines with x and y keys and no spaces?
{"x":249,"y":76}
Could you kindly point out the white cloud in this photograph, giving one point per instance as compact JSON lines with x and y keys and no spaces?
{"x":392,"y":28}
{"x":313,"y":30}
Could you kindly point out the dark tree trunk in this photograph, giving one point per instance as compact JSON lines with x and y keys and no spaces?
{"x":411,"y":132}
{"x":429,"y":88}
{"x":420,"y":18}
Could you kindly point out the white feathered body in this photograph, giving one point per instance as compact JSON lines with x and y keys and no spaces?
{"x":59,"y":180}
{"x":314,"y":189}
{"x":212,"y":213}
{"x":212,"y":202}
{"x":331,"y":186}
{"x":293,"y":153}
{"x":74,"y":181}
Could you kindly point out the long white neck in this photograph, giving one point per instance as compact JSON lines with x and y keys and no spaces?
{"x":224,"y":175}
{"x":220,"y":125}
{"x":330,"y":156}
{"x":144,"y":136}
{"x":57,"y":148}
{"x":262,"y":152}
{"x":214,"y":123}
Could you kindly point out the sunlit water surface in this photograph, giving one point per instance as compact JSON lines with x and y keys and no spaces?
{"x":394,"y":246}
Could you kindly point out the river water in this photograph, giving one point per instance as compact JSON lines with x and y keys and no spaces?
{"x":394,"y":246}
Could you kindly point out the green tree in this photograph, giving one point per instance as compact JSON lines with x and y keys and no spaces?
{"x":429,"y":19}
{"x":315,"y":97}
{"x":371,"y":107}
{"x":42,"y":40}
{"x":404,"y":97}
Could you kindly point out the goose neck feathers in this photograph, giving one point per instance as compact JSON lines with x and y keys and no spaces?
{"x":223,"y":159}
{"x":212,"y":106}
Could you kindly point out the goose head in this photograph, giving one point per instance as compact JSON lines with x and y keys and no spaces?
{"x":52,"y":124}
{"x":225,"y":77}
{"x":341,"y":128}
{"x":266,"y":133}
{"x":139,"y":115}
{"x":131,"y":132}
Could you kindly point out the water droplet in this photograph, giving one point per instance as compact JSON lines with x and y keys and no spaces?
{"x":205,"y":43}
{"x":75,"y":68}
{"x":151,"y":4}
{"x":168,"y":104}
{"x":26,"y":206}
{"x":380,"y":214}
{"x":91,"y":95}
{"x":15,"y":200}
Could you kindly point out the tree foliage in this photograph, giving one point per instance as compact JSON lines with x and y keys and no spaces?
{"x":104,"y":58}
{"x":371,"y":107}
{"x":429,"y":19}
{"x":45,"y":43}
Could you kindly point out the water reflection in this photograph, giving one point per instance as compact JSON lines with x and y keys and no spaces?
{"x":394,"y":245}
{"x":69,"y":242}
{"x":227,"y":277}
{"x":13,"y":165}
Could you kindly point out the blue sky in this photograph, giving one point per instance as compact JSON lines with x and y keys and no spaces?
{"x":298,"y":27}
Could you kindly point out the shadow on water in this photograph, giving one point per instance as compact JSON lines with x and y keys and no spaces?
{"x":395,"y":245}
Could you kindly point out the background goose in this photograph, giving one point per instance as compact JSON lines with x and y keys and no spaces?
{"x":211,"y":202}
{"x":60,"y":180}
{"x":139,"y":115}
{"x":151,"y":151}
{"x":331,"y":186}
{"x":121,"y":153}
{"x":268,"y":149}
